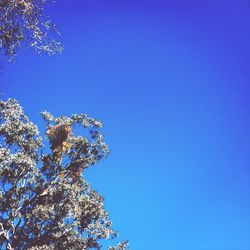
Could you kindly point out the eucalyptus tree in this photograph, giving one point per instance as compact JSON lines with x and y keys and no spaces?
{"x":45,"y":201}
{"x":24,"y":23}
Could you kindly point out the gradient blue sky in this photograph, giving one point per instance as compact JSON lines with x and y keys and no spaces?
{"x":171,"y":82}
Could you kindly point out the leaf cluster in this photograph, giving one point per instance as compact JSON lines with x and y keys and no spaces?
{"x":23,"y":23}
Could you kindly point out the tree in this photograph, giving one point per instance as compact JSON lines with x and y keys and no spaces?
{"x":23,"y":23}
{"x":45,"y":202}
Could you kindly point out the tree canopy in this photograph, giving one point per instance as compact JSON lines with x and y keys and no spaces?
{"x":45,"y":201}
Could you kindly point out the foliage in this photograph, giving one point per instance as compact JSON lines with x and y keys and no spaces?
{"x":45,"y":203}
{"x":22,"y":22}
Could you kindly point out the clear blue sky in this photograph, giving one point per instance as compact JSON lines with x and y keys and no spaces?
{"x":170,"y":81}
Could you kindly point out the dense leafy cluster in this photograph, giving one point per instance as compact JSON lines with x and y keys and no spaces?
{"x":45,"y":203}
{"x":22,"y":22}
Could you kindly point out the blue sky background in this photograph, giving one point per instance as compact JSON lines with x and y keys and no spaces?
{"x":171,"y":82}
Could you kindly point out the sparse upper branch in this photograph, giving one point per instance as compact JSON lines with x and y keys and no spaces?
{"x":22,"y":22}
